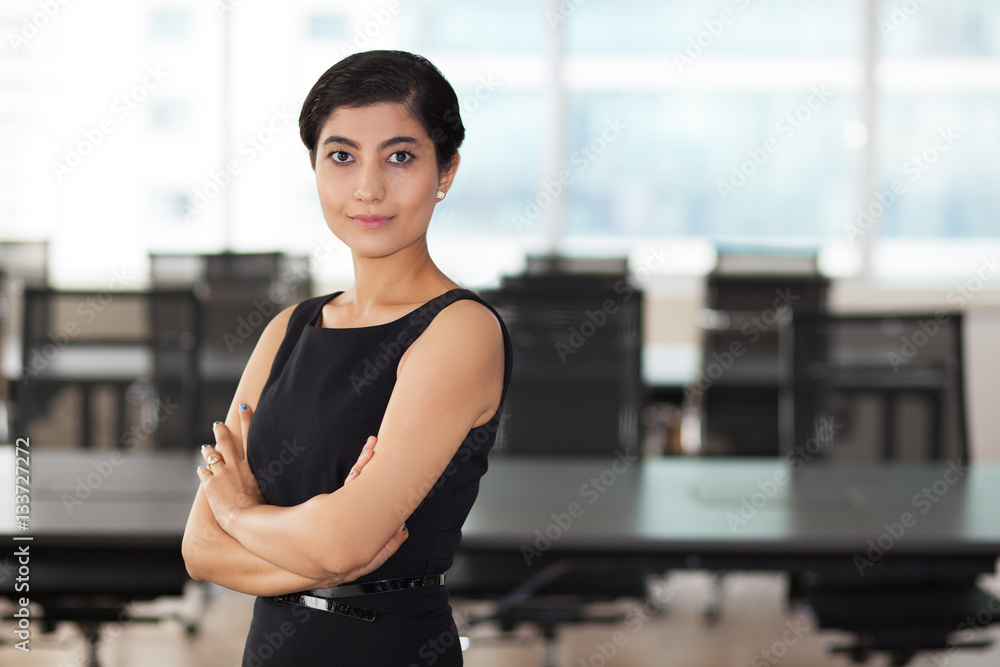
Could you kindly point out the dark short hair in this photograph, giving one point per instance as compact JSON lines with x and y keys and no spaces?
{"x":373,"y":77}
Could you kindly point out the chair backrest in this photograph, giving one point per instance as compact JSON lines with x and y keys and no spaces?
{"x":238,"y":294}
{"x":576,"y":386}
{"x":739,"y":388}
{"x":142,"y":343}
{"x":878,"y":387}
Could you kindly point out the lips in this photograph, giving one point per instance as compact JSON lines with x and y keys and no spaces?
{"x":370,"y":221}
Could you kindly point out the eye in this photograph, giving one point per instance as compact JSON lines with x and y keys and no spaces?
{"x":341,"y":156}
{"x":400,"y":157}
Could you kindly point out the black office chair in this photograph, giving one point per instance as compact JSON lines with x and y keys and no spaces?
{"x":22,"y":264}
{"x":238,"y":294}
{"x":174,"y":341}
{"x":576,"y":388}
{"x":878,"y":388}
{"x":739,"y":394}
{"x":124,"y":358}
{"x":875,"y":389}
{"x":575,"y":391}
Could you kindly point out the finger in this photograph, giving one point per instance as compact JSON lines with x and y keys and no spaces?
{"x":363,"y":458}
{"x":397,"y":539}
{"x":208,"y":451}
{"x":224,"y":444}
{"x":203,"y":473}
{"x":245,"y":414}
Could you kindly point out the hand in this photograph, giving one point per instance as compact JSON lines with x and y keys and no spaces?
{"x":394,"y":542}
{"x":228,"y":482}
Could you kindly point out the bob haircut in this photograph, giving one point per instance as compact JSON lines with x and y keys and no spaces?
{"x":397,"y":77}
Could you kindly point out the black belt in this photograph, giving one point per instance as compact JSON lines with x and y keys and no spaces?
{"x":324,"y":599}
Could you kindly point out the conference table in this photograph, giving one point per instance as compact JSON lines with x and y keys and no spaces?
{"x":887,"y":552}
{"x":107,"y":530}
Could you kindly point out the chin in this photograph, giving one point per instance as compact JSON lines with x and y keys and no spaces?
{"x":377,"y":248}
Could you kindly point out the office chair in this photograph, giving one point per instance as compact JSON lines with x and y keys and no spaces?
{"x":740,"y":394}
{"x":740,"y":389}
{"x":174,"y":341}
{"x":238,"y":294}
{"x":123,"y":354}
{"x":575,"y":391}
{"x":890,"y":387}
{"x":22,"y":264}
{"x":871,"y":389}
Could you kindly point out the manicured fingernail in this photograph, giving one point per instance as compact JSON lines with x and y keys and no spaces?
{"x":204,"y":447}
{"x":404,"y":528}
{"x":243,"y":407}
{"x":364,"y":451}
{"x":353,"y":472}
{"x":214,"y":424}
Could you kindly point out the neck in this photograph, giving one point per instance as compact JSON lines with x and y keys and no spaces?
{"x":406,"y":276}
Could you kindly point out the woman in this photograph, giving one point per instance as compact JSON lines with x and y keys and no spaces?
{"x":405,"y":354}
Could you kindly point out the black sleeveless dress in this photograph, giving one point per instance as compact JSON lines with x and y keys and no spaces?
{"x":326,"y":393}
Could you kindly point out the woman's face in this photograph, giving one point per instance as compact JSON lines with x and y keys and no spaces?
{"x":377,"y":178}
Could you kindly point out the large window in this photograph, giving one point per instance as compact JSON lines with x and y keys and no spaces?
{"x":606,"y":125}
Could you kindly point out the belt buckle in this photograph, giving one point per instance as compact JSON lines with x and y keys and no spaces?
{"x":332,"y":606}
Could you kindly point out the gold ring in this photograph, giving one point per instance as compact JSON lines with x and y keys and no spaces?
{"x":214,"y":458}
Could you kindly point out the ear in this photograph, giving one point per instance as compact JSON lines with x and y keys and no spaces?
{"x":448,"y":175}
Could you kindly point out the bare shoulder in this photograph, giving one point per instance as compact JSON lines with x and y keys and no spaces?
{"x":465,"y":328}
{"x":279,"y":323}
{"x":460,"y":359}
{"x":467,"y":322}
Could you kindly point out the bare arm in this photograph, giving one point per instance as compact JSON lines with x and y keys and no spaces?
{"x":449,"y":382}
{"x":211,"y":554}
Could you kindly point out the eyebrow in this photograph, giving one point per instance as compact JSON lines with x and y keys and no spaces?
{"x":381,"y":147}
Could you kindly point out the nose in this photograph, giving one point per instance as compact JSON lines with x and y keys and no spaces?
{"x":370,"y":187}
